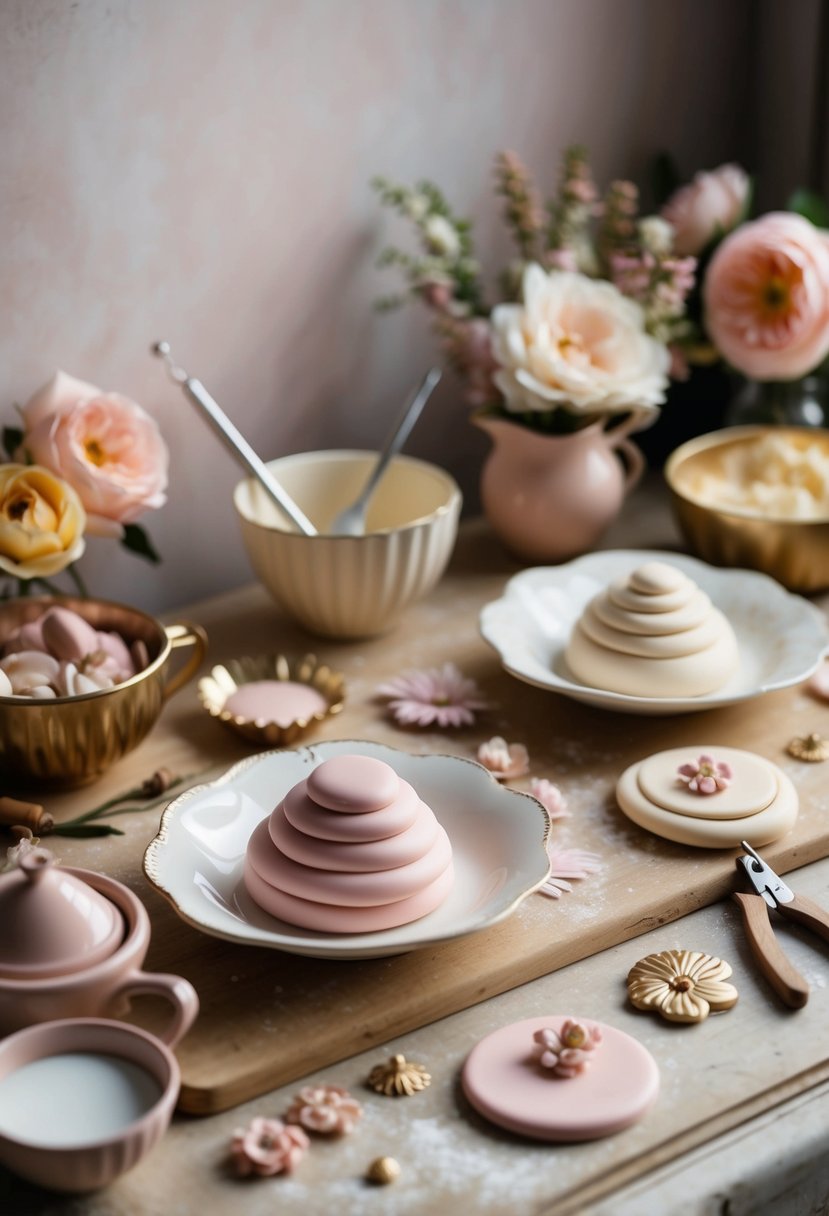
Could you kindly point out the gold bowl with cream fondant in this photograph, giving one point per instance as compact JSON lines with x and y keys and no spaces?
{"x":350,"y":586}
{"x":794,"y":551}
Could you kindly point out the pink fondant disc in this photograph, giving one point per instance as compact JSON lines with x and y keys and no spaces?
{"x":360,"y":857}
{"x":279,"y":701}
{"x":328,"y":918}
{"x":304,"y":815}
{"x":506,"y":1085}
{"x":340,"y":887}
{"x":353,"y":784}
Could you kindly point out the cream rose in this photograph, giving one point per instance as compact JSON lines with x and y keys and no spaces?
{"x":42,"y":522}
{"x":107,"y":447}
{"x":576,"y":343}
{"x":766,"y":297}
{"x":713,"y":202}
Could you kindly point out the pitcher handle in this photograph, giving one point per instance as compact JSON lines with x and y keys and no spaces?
{"x":185,"y":633}
{"x":174,"y":989}
{"x":632,"y":459}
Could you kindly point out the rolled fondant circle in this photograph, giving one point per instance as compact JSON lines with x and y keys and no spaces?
{"x":753,"y":786}
{"x":304,"y":814}
{"x":506,"y":1085}
{"x":331,"y":918}
{"x":761,"y":828}
{"x":358,"y":857}
{"x":353,"y":785}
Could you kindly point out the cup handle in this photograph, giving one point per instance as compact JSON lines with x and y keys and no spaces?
{"x":632,"y":459}
{"x":178,"y":991}
{"x":185,"y":633}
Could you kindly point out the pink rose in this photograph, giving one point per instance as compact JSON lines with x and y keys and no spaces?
{"x":713,"y":202}
{"x":766,"y":297}
{"x":107,"y":447}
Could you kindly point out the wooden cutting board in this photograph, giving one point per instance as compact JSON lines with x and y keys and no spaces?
{"x":268,"y":1017}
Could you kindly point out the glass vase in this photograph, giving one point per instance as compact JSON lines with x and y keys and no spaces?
{"x":781,"y":402}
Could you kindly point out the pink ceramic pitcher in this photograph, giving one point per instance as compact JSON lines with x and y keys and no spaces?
{"x":550,"y":497}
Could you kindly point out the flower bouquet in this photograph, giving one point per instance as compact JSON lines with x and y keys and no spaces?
{"x":82,"y":462}
{"x":592,"y":312}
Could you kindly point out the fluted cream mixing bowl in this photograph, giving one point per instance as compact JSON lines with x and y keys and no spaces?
{"x":350,"y":586}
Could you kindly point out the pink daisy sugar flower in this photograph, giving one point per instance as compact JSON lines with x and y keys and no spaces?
{"x":267,"y":1147}
{"x":566,"y":865}
{"x":440,"y":696}
{"x":706,"y":775}
{"x":567,"y":1052}
{"x":550,"y":797}
{"x":328,"y":1109}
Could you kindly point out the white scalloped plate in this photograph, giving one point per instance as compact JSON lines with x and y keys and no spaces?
{"x":498,"y":842}
{"x":782,"y":637}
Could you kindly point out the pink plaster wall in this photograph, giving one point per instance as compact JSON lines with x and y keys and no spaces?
{"x":197,"y":170}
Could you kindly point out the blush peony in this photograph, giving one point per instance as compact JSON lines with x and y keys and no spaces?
{"x":107,"y":447}
{"x":576,"y":343}
{"x":712,"y":203}
{"x":766,"y":297}
{"x":41,"y":522}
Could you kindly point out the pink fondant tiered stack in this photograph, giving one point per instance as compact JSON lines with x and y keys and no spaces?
{"x":352,"y":849}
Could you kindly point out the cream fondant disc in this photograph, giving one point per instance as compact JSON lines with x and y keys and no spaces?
{"x":506,"y":1085}
{"x":753,"y":787}
{"x":686,"y":676}
{"x":688,"y":616}
{"x":657,"y":578}
{"x":633,"y":601}
{"x":654,"y":645}
{"x":770,"y":824}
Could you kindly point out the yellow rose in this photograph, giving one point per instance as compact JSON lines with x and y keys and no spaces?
{"x":41,"y":522}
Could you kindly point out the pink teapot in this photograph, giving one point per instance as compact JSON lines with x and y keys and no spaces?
{"x":72,"y":946}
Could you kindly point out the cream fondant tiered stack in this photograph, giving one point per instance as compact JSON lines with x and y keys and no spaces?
{"x":352,"y":849}
{"x":653,"y":633}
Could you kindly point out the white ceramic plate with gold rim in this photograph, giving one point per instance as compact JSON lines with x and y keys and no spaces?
{"x":782,"y":637}
{"x":498,"y":842}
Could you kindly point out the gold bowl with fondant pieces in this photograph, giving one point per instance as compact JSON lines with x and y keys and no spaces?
{"x":271,"y":700}
{"x":72,"y":740}
{"x":795,"y":551}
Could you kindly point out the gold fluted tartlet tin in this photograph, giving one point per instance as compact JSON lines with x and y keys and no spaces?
{"x":223,"y":681}
{"x":73,"y":740}
{"x":795,"y":552}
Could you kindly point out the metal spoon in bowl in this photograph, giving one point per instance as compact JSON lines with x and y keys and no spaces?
{"x":233,"y":439}
{"x":352,"y":520}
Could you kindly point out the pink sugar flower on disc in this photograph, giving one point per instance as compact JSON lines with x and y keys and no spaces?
{"x":438,"y":695}
{"x":567,"y":1052}
{"x":565,"y":865}
{"x":504,"y":760}
{"x":705,"y":775}
{"x":550,"y":797}
{"x":328,"y":1109}
{"x":267,"y":1146}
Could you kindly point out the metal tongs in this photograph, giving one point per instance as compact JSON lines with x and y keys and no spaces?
{"x":772,"y":892}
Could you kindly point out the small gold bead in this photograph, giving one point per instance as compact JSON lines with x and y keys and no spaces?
{"x":383,"y":1170}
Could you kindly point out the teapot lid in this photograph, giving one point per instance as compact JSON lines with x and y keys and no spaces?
{"x":53,"y":923}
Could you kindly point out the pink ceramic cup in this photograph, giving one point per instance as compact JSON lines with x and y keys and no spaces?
{"x":93,"y":1164}
{"x":106,"y":987}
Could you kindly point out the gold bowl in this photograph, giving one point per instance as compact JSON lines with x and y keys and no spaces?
{"x":793,"y":551}
{"x":223,"y":681}
{"x":73,"y":740}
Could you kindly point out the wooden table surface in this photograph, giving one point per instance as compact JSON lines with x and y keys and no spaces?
{"x":715,"y":1076}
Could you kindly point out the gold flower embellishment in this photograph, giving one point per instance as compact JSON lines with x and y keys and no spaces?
{"x":681,"y":985}
{"x":398,"y":1078}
